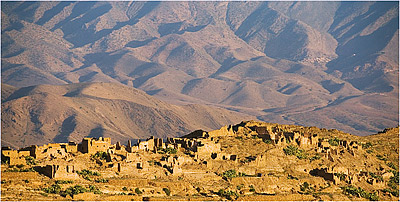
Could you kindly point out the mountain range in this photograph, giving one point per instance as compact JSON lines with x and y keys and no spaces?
{"x":325,"y":64}
{"x":50,"y":113}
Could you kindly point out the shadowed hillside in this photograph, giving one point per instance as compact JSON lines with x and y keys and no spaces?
{"x":328,"y":64}
{"x":46,"y":113}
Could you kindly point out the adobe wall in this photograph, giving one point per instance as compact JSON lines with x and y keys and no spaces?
{"x":60,"y":171}
{"x":70,"y":147}
{"x":15,"y":157}
{"x":151,"y":144}
{"x":39,"y":152}
{"x":224,"y":131}
{"x":208,"y":147}
{"x":92,"y":145}
{"x":132,"y":157}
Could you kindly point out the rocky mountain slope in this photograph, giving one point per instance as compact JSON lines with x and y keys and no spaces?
{"x":47,"y":113}
{"x":328,"y":64}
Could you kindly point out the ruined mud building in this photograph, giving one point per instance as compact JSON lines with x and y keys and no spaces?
{"x":201,"y":145}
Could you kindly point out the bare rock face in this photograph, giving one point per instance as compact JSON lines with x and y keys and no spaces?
{"x":328,"y":64}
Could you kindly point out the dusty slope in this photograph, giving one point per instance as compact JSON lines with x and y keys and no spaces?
{"x":47,"y":113}
{"x":280,"y":61}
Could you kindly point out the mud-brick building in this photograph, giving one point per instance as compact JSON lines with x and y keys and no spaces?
{"x":151,"y":144}
{"x":205,"y":148}
{"x":52,"y":149}
{"x":92,"y":145}
{"x":14,"y":157}
{"x":60,"y":171}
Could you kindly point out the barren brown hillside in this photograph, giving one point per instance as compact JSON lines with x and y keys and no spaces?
{"x":328,"y":64}
{"x":47,"y":113}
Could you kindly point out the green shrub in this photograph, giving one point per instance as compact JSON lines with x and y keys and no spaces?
{"x":87,"y":178}
{"x":252,"y":189}
{"x":373,"y":175}
{"x":316,"y":157}
{"x":137,"y":191}
{"x":290,"y":150}
{"x":20,"y":170}
{"x":395,"y":178}
{"x":341,"y":176}
{"x":268,"y":141}
{"x":350,"y":190}
{"x":394,"y":181}
{"x":380,"y":157}
{"x":229,"y":174}
{"x":167,"y":150}
{"x":30,"y":160}
{"x":167,"y":191}
{"x":366,"y":145}
{"x":295,"y":151}
{"x":64,"y":181}
{"x":306,"y":188}
{"x":372,"y":197}
{"x":391,"y":165}
{"x":73,"y":190}
{"x":102,"y":180}
{"x":124,"y":188}
{"x":394,"y":192}
{"x":230,"y":195}
{"x":100,"y":155}
{"x":85,"y":172}
{"x":94,"y":189}
{"x":359,"y":192}
{"x":53,"y":189}
{"x":334,"y":142}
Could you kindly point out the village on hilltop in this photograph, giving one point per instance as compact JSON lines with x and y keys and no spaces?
{"x":214,"y":156}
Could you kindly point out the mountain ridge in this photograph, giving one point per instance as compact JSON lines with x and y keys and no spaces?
{"x":30,"y":115}
{"x":274,"y":60}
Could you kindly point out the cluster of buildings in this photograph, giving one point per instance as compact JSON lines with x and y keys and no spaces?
{"x":201,"y":146}
{"x":118,"y":156}
{"x":338,"y":174}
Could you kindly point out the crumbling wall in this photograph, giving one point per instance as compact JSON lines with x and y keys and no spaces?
{"x":92,"y":145}
{"x":60,"y":171}
{"x":205,"y":148}
{"x":15,"y":157}
{"x":70,"y":147}
{"x":224,"y":131}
